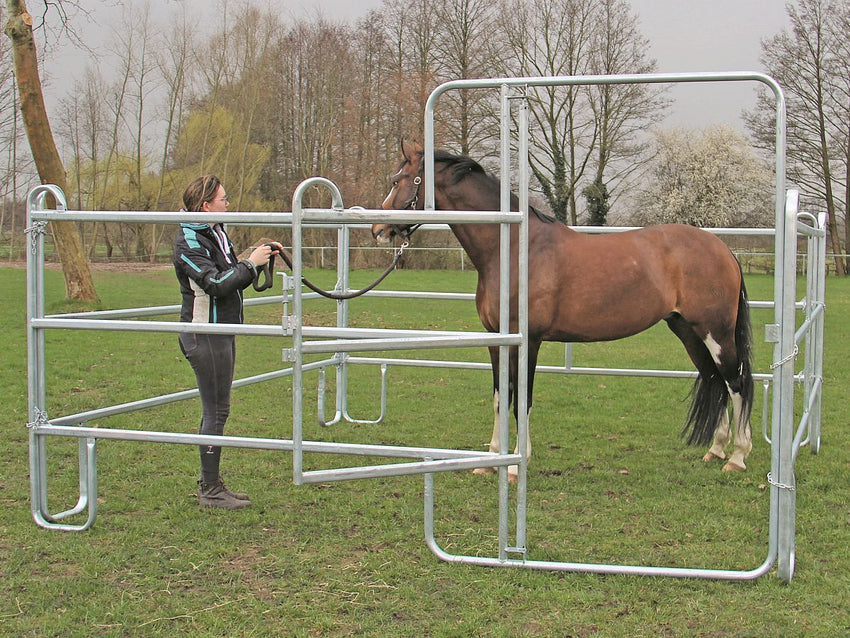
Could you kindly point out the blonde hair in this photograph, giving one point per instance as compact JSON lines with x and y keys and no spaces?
{"x":199,"y":191}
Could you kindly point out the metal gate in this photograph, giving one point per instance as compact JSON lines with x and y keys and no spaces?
{"x":339,"y":342}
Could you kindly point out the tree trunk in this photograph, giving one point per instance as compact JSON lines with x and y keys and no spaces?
{"x":78,"y":279}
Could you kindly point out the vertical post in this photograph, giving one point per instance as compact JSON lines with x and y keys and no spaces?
{"x":36,"y":392}
{"x":297,"y":354}
{"x":504,"y":314}
{"x":820,"y":296}
{"x":522,"y":319}
{"x":297,"y":335}
{"x":342,"y":285}
{"x":783,"y":482}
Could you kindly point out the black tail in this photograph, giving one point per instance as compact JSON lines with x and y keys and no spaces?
{"x":710,"y":396}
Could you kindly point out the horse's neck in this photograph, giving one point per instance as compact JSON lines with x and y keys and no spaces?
{"x":478,"y":240}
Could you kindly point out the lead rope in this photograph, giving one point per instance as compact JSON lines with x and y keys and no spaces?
{"x":268,"y":270}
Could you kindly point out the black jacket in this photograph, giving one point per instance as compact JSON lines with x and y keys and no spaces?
{"x":211,"y":287}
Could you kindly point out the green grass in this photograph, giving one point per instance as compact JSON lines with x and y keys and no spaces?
{"x":610,"y":481}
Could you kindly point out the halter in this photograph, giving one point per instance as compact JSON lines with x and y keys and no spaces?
{"x":411,"y":203}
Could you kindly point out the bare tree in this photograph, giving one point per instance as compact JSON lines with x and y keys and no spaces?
{"x":551,"y":38}
{"x":78,"y":280}
{"x":173,"y":63}
{"x":466,"y":49}
{"x":840,"y":113}
{"x":808,"y":64}
{"x":622,"y":113}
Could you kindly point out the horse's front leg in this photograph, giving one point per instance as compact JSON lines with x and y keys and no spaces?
{"x":494,"y":440}
{"x":513,"y":470}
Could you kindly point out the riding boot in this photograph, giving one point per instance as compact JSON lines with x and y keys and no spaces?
{"x":217,"y":495}
{"x":241,"y":496}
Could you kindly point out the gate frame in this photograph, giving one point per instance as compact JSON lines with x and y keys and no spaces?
{"x":784,"y":444}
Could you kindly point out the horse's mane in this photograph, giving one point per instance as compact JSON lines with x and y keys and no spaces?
{"x":460,"y":166}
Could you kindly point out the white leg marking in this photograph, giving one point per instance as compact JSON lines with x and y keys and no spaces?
{"x":722,"y":436}
{"x":743,"y":436}
{"x":494,"y":440}
{"x":713,"y":347}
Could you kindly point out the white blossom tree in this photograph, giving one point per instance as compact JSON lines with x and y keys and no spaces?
{"x":712,"y":178}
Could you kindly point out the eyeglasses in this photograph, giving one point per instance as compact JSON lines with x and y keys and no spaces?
{"x":223,"y":199}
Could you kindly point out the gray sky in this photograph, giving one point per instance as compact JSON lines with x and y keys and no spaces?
{"x":684,"y":35}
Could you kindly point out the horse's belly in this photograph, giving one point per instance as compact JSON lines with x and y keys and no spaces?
{"x":622,"y":317}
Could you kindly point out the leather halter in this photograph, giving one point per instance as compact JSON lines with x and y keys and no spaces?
{"x":411,"y":203}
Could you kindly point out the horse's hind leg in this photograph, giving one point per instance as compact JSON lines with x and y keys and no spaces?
{"x":722,"y":437}
{"x":743,"y":434}
{"x":739,"y":386}
{"x":703,"y":358}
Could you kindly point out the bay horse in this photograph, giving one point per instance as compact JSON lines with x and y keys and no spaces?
{"x":584,"y":288}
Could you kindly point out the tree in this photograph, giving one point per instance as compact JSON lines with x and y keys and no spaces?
{"x":78,"y":280}
{"x":624,"y":112}
{"x":709,"y":179}
{"x":810,"y":64}
{"x":581,"y":131}
{"x":552,"y":38}
{"x":466,"y":50}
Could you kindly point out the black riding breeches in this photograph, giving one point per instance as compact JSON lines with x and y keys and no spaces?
{"x":212,"y":358}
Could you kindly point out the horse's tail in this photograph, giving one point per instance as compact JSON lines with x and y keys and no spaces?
{"x":744,"y":347}
{"x":710,"y":394}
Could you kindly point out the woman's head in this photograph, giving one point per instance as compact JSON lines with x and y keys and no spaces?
{"x":202,"y":190}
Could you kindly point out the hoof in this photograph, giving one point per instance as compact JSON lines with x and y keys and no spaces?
{"x":512,"y":478}
{"x":733,"y":467}
{"x":711,"y":456}
{"x":484,"y":471}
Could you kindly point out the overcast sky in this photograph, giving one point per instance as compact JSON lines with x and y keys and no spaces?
{"x":684,"y":36}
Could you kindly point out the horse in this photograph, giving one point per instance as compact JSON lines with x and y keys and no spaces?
{"x":586,"y":288}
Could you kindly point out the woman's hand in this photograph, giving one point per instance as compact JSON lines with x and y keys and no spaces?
{"x":260,"y":255}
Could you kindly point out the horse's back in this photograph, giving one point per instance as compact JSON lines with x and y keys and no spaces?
{"x":601,"y":287}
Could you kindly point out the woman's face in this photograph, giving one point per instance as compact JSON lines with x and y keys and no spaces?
{"x":219,"y":202}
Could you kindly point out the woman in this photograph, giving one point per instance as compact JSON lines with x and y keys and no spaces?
{"x":211,"y":282}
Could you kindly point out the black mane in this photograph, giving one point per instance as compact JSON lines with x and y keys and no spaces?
{"x":460,"y":166}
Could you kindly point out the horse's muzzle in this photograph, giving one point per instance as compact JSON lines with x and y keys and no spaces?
{"x":384,"y":233}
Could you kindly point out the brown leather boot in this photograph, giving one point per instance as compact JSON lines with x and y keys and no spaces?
{"x":217,"y":495}
{"x":242,"y":496}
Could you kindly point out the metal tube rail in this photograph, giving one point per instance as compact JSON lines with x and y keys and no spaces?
{"x":408,"y":469}
{"x":800,"y":439}
{"x":318,"y":447}
{"x":485,"y":339}
{"x":587,"y":568}
{"x":152,"y":402}
{"x":280,"y":219}
{"x":343,"y":340}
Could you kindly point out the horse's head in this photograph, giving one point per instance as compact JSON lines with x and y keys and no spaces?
{"x":405,"y":192}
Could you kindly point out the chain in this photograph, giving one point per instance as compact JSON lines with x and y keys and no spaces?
{"x":781,"y":486}
{"x":793,"y":355}
{"x":40,"y":419}
{"x":37,"y":228}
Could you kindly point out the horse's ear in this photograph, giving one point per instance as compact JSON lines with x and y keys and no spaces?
{"x":410,"y":149}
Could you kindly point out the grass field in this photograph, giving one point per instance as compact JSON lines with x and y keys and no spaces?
{"x":610,"y":482}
